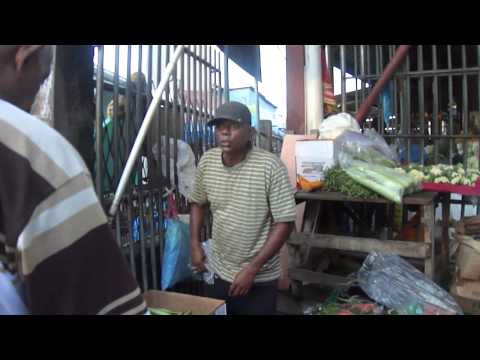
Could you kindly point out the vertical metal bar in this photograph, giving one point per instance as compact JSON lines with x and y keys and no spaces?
{"x":355,"y":70}
{"x":175,"y":128}
{"x":343,"y":82}
{"x":149,"y":78}
{"x":143,"y":255}
{"x":189,"y":99}
{"x":131,"y":245}
{"x":362,"y":72}
{"x":195,"y":109}
{"x":211,"y":73}
{"x":205,"y":99}
{"x":435,"y":101}
{"x":167,"y":123}
{"x":220,"y":94}
{"x":369,"y":68}
{"x":159,"y":124}
{"x":115,"y":154}
{"x":380,"y":119}
{"x":421,"y":102}
{"x":396,"y":111}
{"x":128,"y":105}
{"x":153,"y":260}
{"x":182,"y":97}
{"x":464,"y":106}
{"x":225,"y":69}
{"x":150,"y":161}
{"x":161,"y":233}
{"x":138,"y":102}
{"x":99,"y":163}
{"x":408,"y":110}
{"x":200,"y":96}
{"x":450,"y":103}
{"x":214,"y":90}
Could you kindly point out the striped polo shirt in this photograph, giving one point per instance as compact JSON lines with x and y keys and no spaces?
{"x":53,"y":231}
{"x":245,"y":201}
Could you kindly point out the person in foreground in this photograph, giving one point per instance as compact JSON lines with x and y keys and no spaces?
{"x":54,"y":236}
{"x":253,"y":209}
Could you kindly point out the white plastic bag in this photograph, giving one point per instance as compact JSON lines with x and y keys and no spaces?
{"x":185,"y":164}
{"x":335,"y":125}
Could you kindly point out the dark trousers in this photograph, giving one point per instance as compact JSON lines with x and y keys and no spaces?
{"x":260,"y":300}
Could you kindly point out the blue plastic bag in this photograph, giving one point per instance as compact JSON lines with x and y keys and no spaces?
{"x":176,"y":254}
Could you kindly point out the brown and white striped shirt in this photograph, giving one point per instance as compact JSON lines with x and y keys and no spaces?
{"x":53,"y":231}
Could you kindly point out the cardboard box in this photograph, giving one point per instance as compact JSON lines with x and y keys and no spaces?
{"x":182,"y":302}
{"x":467,"y":295}
{"x":313,"y":158}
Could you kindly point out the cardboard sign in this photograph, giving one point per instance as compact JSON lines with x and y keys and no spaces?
{"x":313,"y":158}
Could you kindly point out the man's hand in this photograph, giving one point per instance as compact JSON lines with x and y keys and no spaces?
{"x":243,"y":281}
{"x":198,"y":258}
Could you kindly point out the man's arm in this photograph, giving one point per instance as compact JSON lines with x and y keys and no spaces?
{"x":276,"y":239}
{"x":197,"y":216}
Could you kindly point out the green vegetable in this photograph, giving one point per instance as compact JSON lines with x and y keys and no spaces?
{"x":377,"y":182}
{"x":337,"y":180}
{"x":162,"y":311}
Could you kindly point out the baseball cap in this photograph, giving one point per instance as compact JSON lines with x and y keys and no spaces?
{"x":234,"y":111}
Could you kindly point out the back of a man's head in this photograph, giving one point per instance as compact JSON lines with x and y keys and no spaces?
{"x":23,"y":68}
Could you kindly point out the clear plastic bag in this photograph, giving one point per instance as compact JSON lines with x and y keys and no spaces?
{"x":371,"y":163}
{"x":369,"y":147}
{"x":393,"y":282}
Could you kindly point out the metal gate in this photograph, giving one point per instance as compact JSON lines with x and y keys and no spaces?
{"x":430,"y":108}
{"x":122,"y":99}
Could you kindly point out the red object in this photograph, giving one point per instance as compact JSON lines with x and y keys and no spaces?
{"x":392,"y":66}
{"x":456,"y":189}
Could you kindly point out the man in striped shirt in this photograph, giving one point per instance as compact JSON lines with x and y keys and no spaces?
{"x":54,"y":235}
{"x":253,"y":210}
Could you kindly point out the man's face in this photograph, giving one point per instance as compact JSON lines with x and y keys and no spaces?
{"x":232,"y":137}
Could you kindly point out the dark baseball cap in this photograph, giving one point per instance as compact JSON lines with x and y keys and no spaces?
{"x":234,"y":111}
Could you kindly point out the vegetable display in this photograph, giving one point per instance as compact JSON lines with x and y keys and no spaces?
{"x":443,"y":174}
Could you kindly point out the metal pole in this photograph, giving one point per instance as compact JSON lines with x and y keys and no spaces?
{"x":343,"y":80}
{"x":227,"y":83}
{"x":257,"y":111}
{"x":396,"y":61}
{"x":144,"y":129}
{"x":98,"y":123}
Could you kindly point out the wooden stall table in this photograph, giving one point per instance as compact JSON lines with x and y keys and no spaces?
{"x":432,"y":252}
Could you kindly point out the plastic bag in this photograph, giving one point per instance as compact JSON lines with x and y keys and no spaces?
{"x":176,"y":254}
{"x":369,"y":161}
{"x":11,"y":302}
{"x":185,"y":164}
{"x":43,"y":103}
{"x":393,"y":282}
{"x":335,"y":125}
{"x":369,"y":147}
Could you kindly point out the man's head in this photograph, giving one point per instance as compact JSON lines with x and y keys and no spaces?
{"x":232,"y":122}
{"x":23,"y":69}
